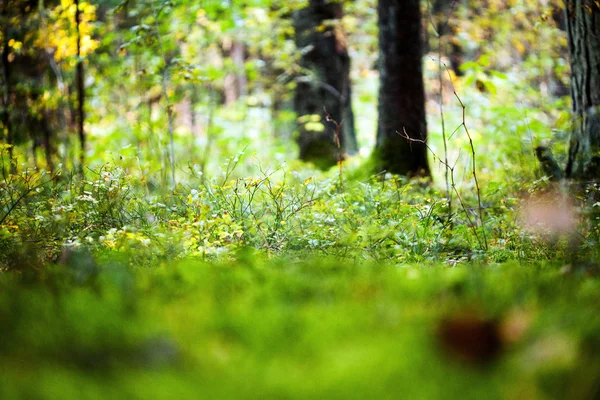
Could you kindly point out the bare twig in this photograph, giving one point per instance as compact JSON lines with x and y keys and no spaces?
{"x":324,"y":85}
{"x":473,"y":167}
{"x":450,"y":168}
{"x":29,"y":187}
{"x":463,"y":125}
{"x":338,"y":144}
{"x":441,"y":98}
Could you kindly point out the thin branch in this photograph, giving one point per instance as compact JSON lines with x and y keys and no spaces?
{"x":324,"y":85}
{"x":474,"y":166}
{"x":338,"y":144}
{"x":482,"y":244}
{"x":441,"y":97}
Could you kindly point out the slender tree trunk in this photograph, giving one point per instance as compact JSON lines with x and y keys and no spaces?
{"x":194,"y":98}
{"x":236,"y":82}
{"x":80,"y":89}
{"x":349,"y":130}
{"x":324,"y":87}
{"x":230,"y":91}
{"x":47,"y":144}
{"x":583,"y":30}
{"x":401,"y":91}
{"x":238,"y":57}
{"x":6,"y":134}
{"x":442,"y":10}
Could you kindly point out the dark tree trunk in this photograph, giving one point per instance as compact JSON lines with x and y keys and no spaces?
{"x":348,"y":127}
{"x":583,"y":30}
{"x":80,"y":89}
{"x":325,"y":84}
{"x":47,"y":143}
{"x":6,"y":134}
{"x":401,"y":91}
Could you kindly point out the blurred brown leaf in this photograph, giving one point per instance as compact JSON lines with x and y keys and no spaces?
{"x":471,"y":338}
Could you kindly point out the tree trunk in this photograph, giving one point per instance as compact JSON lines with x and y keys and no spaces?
{"x":401,"y":91}
{"x":445,"y":25}
{"x":80,"y":89}
{"x":6,"y":134}
{"x":44,"y":123}
{"x":236,"y":83}
{"x":583,"y":30}
{"x":324,"y":87}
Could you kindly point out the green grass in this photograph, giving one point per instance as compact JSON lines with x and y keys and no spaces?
{"x":252,"y":327}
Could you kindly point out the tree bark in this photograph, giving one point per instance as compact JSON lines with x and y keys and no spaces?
{"x":324,"y":87}
{"x":6,"y":134}
{"x":80,"y":89}
{"x":583,"y":30}
{"x":401,"y":90}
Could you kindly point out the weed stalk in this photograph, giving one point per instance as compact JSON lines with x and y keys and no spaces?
{"x":165,"y":81}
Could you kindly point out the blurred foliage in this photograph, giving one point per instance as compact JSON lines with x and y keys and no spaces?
{"x":320,"y":328}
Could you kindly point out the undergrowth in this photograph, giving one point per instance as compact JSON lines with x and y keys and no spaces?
{"x":279,"y":211}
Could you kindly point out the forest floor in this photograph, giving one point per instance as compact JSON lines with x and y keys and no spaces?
{"x":257,"y":327}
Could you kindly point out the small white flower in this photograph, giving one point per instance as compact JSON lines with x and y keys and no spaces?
{"x":85,"y":197}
